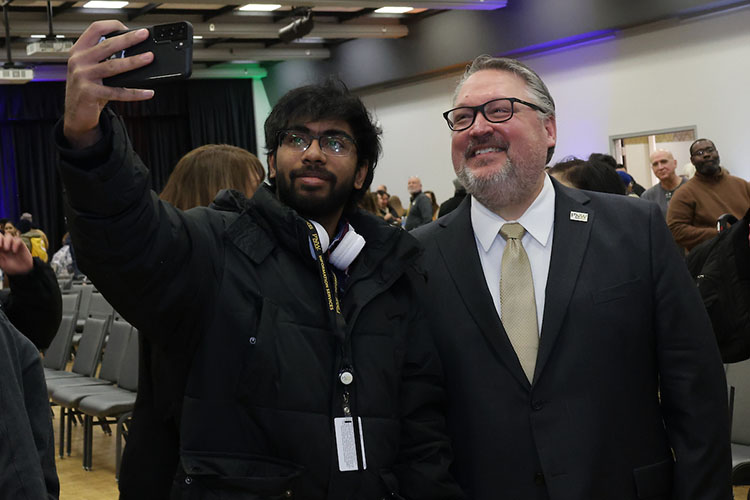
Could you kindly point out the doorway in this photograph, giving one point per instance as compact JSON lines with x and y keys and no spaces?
{"x":633,"y":151}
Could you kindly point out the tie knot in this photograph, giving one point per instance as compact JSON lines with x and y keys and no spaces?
{"x":512,"y":230}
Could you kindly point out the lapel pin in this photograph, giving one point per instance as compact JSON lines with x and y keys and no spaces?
{"x":579,"y":216}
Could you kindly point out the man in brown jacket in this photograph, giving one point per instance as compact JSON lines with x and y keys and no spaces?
{"x":711,"y":193}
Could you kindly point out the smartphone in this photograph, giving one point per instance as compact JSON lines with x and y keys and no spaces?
{"x":172,"y":45}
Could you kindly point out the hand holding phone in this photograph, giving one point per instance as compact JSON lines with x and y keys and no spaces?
{"x":172,"y":46}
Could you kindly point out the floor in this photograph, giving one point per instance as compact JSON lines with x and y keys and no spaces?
{"x":77,"y":484}
{"x":99,"y":483}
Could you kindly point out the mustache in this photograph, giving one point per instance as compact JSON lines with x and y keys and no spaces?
{"x":312,"y":172}
{"x":481,"y":143}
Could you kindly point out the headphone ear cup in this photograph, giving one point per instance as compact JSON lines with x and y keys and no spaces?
{"x":347,"y":250}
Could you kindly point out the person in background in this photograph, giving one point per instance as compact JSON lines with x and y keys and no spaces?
{"x":35,"y":239}
{"x":32,"y":301}
{"x":590,"y":175}
{"x":29,"y":318}
{"x":304,"y":364}
{"x":368,"y":203}
{"x":385,"y":210}
{"x":435,"y":206}
{"x":62,"y":260}
{"x":395,"y":203}
{"x":663,"y":165}
{"x":628,"y":182}
{"x":7,"y":227}
{"x":712,"y":192}
{"x":452,"y":203}
{"x":201,"y":173}
{"x":580,"y":363}
{"x":420,"y":206}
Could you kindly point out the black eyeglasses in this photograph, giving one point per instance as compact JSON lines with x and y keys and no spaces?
{"x":704,"y":151}
{"x":330,"y":144}
{"x":495,"y":111}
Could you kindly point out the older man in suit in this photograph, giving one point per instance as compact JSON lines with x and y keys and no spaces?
{"x":579,"y":362}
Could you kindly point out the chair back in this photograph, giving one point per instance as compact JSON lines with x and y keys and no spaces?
{"x":114,"y":352}
{"x":129,"y":370}
{"x":90,"y":347}
{"x":71,"y":301}
{"x":738,"y":376}
{"x":99,"y":307}
{"x":83,"y":306}
{"x":58,"y":352}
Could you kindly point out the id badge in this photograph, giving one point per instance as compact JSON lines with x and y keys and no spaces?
{"x":346,"y":444}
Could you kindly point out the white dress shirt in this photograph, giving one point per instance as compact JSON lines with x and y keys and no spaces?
{"x":538,"y":220}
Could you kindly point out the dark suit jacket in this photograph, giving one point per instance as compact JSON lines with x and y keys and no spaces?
{"x":622,"y":321}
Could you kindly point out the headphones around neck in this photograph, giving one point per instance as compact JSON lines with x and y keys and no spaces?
{"x":345,"y":251}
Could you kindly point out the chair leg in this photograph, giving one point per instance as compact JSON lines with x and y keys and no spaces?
{"x":105,"y":426}
{"x":118,"y":449}
{"x":71,"y":417}
{"x":62,"y":432}
{"x":88,"y":435}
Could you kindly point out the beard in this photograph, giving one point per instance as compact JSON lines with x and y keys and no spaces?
{"x":510,"y":185}
{"x":306,"y":202}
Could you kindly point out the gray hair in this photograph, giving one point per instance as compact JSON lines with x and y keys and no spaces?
{"x":538,"y":92}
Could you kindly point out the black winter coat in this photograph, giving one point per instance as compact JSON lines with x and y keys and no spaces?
{"x":235,"y":295}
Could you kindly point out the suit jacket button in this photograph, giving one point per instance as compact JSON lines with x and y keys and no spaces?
{"x":537,"y":405}
{"x":539,"y":479}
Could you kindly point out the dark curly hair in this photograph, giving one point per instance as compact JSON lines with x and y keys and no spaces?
{"x":330,"y":100}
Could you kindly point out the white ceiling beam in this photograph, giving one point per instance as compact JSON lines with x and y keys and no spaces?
{"x":216,"y":29}
{"x":211,"y":54}
{"x":417,"y":4}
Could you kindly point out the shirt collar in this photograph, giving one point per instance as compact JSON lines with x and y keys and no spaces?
{"x":537,"y":219}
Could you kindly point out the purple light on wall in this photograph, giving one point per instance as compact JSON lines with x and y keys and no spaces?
{"x":562,"y":44}
{"x":479,"y":5}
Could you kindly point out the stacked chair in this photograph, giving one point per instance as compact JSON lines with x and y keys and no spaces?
{"x":69,"y":392}
{"x":92,"y":393}
{"x":112,"y":406}
{"x":58,"y":353}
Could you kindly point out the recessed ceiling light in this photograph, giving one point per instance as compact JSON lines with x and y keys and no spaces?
{"x":261,"y":7}
{"x":104,"y":4}
{"x":393,"y":10}
{"x":197,"y":37}
{"x":59,"y":36}
{"x":38,"y":36}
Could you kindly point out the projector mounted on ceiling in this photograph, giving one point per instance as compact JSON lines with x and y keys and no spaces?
{"x":299,"y":27}
{"x":15,"y":75}
{"x":57,"y":46}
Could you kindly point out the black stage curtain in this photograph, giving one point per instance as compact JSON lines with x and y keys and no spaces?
{"x":180,"y":117}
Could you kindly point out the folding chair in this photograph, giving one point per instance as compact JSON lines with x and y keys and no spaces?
{"x":83,"y":306}
{"x":68,"y":392}
{"x":88,"y":355}
{"x":58,"y":352}
{"x":115,"y":405}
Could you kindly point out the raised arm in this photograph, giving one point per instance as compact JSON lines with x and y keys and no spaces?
{"x":34,"y":304}
{"x":88,"y":65}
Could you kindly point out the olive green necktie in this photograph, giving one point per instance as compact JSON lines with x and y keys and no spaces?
{"x":517,"y":304}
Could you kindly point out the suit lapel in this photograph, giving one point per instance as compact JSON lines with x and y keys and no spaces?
{"x":457,"y":247}
{"x":568,"y":249}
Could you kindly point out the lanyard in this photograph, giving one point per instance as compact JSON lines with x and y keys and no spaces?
{"x":336,"y":318}
{"x":338,"y":325}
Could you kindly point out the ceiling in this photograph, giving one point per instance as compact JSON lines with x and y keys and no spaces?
{"x":225,"y":34}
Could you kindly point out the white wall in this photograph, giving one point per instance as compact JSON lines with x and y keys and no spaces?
{"x":691,"y":73}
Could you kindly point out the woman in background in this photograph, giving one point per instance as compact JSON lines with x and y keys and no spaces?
{"x":206,"y":170}
{"x":435,"y":205}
